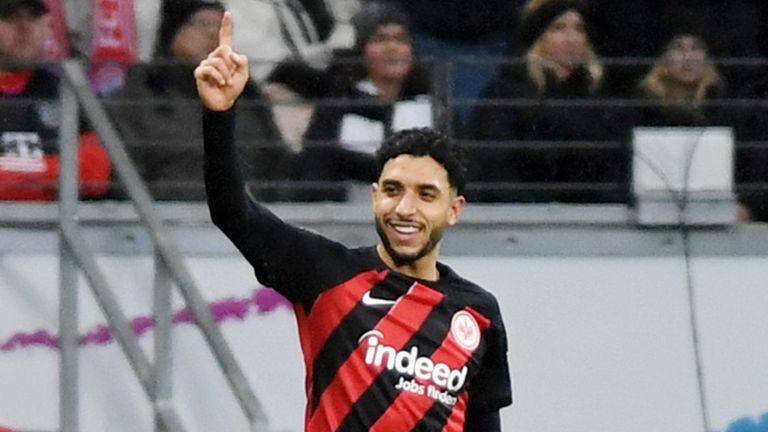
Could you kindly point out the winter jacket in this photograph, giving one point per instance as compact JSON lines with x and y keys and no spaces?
{"x":29,"y":148}
{"x":157,"y":113}
{"x":512,"y":123}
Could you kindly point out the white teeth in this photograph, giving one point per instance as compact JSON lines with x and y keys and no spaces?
{"x":405,"y":229}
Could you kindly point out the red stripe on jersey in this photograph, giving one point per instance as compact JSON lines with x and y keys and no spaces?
{"x":455,"y":422}
{"x":354,"y":377}
{"x":326,"y":314}
{"x":409,"y":409}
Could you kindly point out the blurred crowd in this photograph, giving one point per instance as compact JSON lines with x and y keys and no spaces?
{"x":542,"y":94}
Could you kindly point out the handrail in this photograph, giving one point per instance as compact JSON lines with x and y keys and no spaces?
{"x":168,"y":256}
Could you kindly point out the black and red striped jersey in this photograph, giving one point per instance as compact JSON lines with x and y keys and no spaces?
{"x":383,"y":351}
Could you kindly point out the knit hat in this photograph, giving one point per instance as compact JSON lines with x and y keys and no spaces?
{"x":534,"y":23}
{"x":374,"y":15}
{"x":682,"y":20}
{"x":7,"y":7}
{"x":174,"y":14}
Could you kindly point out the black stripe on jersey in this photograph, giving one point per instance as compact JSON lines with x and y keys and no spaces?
{"x":440,"y":411}
{"x":339,"y":347}
{"x":434,"y":419}
{"x":382,"y":393}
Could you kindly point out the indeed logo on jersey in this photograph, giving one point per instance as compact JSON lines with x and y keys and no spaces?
{"x":420,"y":368}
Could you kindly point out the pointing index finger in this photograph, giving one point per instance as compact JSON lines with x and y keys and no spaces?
{"x":225,"y":32}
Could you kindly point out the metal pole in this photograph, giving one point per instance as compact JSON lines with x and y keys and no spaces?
{"x":123,"y":165}
{"x":163,"y":366}
{"x":68,"y":275}
{"x":118,"y":323}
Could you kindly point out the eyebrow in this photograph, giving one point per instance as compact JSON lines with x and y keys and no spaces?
{"x":423,"y":187}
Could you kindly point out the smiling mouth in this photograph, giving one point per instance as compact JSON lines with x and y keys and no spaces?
{"x":405,"y":228}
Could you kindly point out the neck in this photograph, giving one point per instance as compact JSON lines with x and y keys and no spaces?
{"x":422,"y":268}
{"x":389,"y":89}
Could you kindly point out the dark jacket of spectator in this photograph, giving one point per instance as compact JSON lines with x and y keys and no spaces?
{"x":30,"y":114}
{"x":29,"y":148}
{"x":548,"y":99}
{"x":157,"y":112}
{"x":157,"y":115}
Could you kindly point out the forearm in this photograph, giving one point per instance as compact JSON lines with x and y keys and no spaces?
{"x":269,"y":244}
{"x":224,"y":181}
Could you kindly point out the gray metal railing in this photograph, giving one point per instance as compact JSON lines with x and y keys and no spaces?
{"x":154,"y":376}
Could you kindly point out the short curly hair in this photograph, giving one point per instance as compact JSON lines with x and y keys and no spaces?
{"x":426,"y":142}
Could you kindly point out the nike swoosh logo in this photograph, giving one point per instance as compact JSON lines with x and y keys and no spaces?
{"x":373,"y":301}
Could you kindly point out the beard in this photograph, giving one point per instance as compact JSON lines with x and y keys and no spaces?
{"x":403,"y":259}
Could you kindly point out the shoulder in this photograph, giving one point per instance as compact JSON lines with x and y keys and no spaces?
{"x":470,"y":293}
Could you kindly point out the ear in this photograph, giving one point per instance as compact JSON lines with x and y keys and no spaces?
{"x":458,"y":204}
{"x":374,"y":192}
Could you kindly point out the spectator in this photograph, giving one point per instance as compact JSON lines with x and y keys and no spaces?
{"x":386,"y":93}
{"x":30,"y":113}
{"x":681,"y":86}
{"x":741,"y":27}
{"x":681,"y":82}
{"x":549,"y":97}
{"x":157,"y":112}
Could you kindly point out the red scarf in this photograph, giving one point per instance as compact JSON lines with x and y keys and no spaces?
{"x":14,"y":83}
{"x":114,"y":43}
{"x":57,"y":45}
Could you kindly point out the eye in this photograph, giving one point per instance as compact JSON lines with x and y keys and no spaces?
{"x":390,"y":189}
{"x":428,"y":195}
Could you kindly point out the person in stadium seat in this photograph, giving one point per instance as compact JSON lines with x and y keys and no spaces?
{"x":157,"y":111}
{"x":682,"y":81}
{"x":374,"y":90}
{"x":392,"y":338}
{"x":550,"y":96}
{"x":30,"y":115}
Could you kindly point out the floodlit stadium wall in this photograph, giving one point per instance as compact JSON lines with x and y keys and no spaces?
{"x":598,"y":323}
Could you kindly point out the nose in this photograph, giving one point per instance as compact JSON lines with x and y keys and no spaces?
{"x":574,"y":37}
{"x":407,"y":205}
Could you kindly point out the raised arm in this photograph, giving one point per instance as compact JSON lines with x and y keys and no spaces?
{"x":220,"y":79}
{"x":283,"y":257}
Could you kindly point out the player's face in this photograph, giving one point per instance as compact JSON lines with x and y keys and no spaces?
{"x":413,"y":202}
{"x":565,"y":40}
{"x":389,"y":53}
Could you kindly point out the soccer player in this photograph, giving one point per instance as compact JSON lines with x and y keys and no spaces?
{"x":393,"y":340}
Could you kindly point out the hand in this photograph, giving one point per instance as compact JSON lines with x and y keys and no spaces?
{"x":221,"y":77}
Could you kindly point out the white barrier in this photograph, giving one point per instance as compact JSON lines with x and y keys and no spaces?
{"x":596,"y":344}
